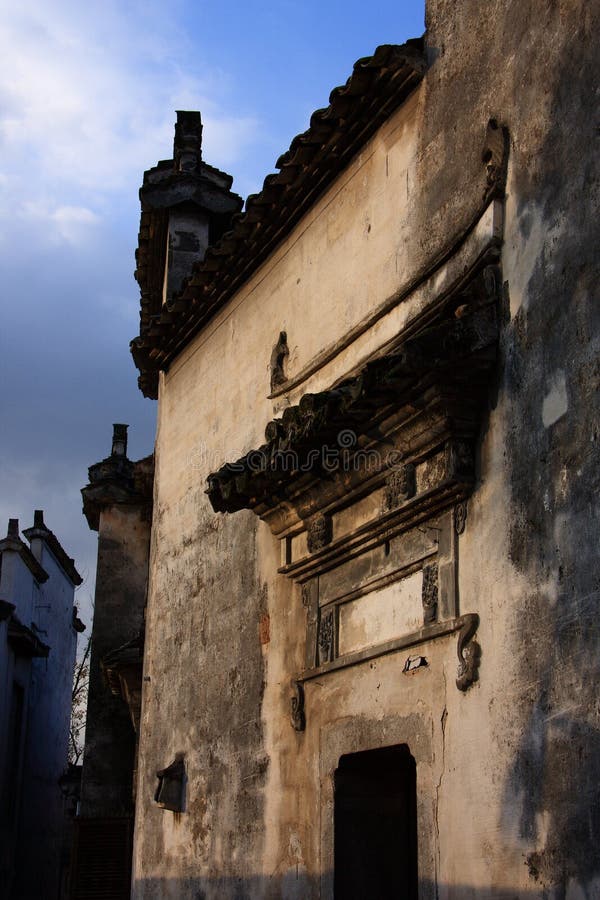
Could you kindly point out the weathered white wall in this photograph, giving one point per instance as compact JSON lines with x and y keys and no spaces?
{"x":30,"y":861}
{"x":507,"y":770}
{"x":18,"y":584}
{"x":50,"y":690}
{"x":122,"y":575}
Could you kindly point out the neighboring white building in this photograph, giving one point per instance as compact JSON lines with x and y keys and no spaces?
{"x":38,"y":641}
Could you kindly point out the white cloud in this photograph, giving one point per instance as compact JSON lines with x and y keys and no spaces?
{"x":73,"y":221}
{"x":87,"y":100}
{"x":70,"y":224}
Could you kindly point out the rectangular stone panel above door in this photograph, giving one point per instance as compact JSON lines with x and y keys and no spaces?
{"x":390,"y":591}
{"x":381,"y":615}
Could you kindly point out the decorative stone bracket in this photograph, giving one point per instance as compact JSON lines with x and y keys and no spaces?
{"x":386,"y":598}
{"x":468,"y":659}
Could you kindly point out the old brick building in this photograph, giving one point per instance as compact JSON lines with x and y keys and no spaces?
{"x":371,"y":640}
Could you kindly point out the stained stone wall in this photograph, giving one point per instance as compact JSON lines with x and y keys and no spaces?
{"x":118,"y":505}
{"x":107,"y":788}
{"x":508,"y":770}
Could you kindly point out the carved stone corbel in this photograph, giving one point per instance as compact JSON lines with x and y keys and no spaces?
{"x":298,"y":717}
{"x":326,"y":639}
{"x":319,"y":532}
{"x":469,"y":652}
{"x":495,"y":158}
{"x":429,"y":593}
{"x":399,"y":486}
{"x":460,"y":517}
{"x":460,"y":460}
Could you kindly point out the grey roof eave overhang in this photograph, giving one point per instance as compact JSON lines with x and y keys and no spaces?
{"x":66,"y":563}
{"x":24,"y":641}
{"x":442,"y":373}
{"x":379,"y":84}
{"x":20,"y":547}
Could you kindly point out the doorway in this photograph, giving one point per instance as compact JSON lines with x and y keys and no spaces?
{"x":375,"y":825}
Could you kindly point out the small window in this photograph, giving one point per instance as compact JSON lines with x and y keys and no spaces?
{"x":375,"y":826}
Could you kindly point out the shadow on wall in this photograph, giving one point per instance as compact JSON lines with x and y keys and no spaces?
{"x":304,"y":887}
{"x":553,"y":792}
{"x":555,"y":782}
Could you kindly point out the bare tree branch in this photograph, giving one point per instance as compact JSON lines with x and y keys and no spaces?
{"x":81,"y":676}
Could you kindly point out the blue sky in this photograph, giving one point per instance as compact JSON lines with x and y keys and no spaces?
{"x":87,"y":101}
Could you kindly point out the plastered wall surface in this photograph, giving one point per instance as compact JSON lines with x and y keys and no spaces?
{"x":50,"y":689}
{"x":507,"y":773}
{"x":34,"y":751}
{"x":123,"y":537}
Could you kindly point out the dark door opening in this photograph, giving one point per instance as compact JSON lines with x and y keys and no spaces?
{"x":375,"y":826}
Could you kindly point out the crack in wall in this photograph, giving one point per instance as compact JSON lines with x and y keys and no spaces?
{"x":443,"y":719}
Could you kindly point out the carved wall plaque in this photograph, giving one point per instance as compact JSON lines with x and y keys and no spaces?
{"x":306,"y":595}
{"x":399,"y":486}
{"x":319,"y":532}
{"x":430,"y":593}
{"x":325,"y":644}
